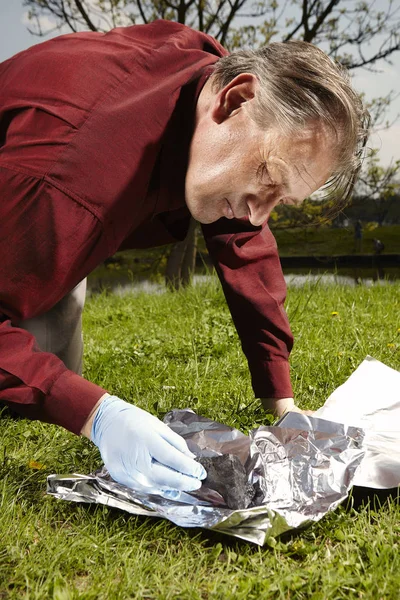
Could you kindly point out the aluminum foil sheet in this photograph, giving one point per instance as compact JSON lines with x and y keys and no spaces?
{"x":300,"y":470}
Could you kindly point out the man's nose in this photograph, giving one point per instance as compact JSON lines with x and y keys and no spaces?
{"x":260,"y":208}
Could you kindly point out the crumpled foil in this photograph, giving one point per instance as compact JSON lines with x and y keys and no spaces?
{"x":301,"y":471}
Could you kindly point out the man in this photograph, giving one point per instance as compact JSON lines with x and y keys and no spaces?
{"x":358,"y":236}
{"x":111,"y":141}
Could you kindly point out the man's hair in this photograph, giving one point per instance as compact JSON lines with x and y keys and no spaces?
{"x":301,"y":86}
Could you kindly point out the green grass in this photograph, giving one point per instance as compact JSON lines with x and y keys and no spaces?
{"x":174,"y":351}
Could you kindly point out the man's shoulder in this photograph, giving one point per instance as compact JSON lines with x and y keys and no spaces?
{"x":162,"y":31}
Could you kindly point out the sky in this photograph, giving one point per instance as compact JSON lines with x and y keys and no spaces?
{"x":15,"y":37}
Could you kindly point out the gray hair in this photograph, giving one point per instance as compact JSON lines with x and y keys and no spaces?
{"x":300,"y":85}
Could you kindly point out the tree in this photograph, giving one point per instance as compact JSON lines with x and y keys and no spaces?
{"x":380,"y":185}
{"x":359,"y":34}
{"x":356,"y":33}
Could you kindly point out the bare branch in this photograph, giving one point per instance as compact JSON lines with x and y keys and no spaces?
{"x":67,"y":17}
{"x":314,"y":30}
{"x":215,"y":16}
{"x":184,"y":9}
{"x":200,"y":12}
{"x":85,"y":15}
{"x":142,"y":13}
{"x":378,"y":56}
{"x":223,"y":31}
{"x":170,"y":5}
{"x":113,"y":17}
{"x":304,"y":20}
{"x":290,"y":35}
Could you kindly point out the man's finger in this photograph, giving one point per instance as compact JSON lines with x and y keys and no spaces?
{"x":163,"y":477}
{"x":167,"y":455}
{"x":175,"y":440}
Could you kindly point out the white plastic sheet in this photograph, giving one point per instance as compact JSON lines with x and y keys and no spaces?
{"x":370,"y":399}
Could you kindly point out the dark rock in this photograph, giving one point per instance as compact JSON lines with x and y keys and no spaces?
{"x":227,"y":476}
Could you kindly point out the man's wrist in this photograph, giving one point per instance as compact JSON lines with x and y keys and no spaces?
{"x":277,"y":406}
{"x":87,"y":427}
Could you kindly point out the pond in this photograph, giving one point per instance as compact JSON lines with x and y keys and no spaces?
{"x":124,"y":281}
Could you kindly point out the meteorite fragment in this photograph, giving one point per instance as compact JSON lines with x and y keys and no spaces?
{"x":227,"y":476}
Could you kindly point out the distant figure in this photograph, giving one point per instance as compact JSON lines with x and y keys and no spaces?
{"x":378,"y":246}
{"x":358,"y":235}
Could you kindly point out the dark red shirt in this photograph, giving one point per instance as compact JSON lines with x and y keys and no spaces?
{"x":94,"y":137}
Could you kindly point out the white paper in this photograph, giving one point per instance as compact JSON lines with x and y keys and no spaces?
{"x":370,"y":399}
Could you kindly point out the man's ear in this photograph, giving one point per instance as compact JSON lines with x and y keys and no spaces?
{"x":231,"y":98}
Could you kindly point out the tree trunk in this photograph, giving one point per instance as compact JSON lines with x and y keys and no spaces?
{"x":189,"y":259}
{"x":182,"y":259}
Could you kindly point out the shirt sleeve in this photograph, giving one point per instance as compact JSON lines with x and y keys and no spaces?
{"x":248,"y":266}
{"x":49,"y":243}
{"x":37,"y":385}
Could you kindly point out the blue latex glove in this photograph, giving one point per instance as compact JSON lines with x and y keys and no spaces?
{"x":137,"y":448}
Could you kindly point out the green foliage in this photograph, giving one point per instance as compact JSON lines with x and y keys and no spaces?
{"x":380,"y":184}
{"x":177,"y":350}
{"x":328,"y":241}
{"x":310,"y":213}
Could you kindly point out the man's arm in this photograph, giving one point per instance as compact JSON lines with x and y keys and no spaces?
{"x":48,"y":244}
{"x":247,"y":262}
{"x":280,"y":406}
{"x":37,"y":385}
{"x":136,"y":447}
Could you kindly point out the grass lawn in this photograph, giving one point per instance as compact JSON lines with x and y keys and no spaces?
{"x":181,"y":350}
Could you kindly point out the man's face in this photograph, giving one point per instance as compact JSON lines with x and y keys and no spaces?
{"x":236,"y":170}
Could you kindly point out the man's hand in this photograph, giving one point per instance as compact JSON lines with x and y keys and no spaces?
{"x":139,"y":450}
{"x":279,"y":406}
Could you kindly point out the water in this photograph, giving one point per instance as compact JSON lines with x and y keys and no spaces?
{"x":348,"y":276}
{"x":122,"y":283}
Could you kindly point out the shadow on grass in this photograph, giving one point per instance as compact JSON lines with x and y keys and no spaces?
{"x":360,"y":497}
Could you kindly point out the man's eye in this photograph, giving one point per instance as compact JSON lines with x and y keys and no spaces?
{"x":264,"y":174}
